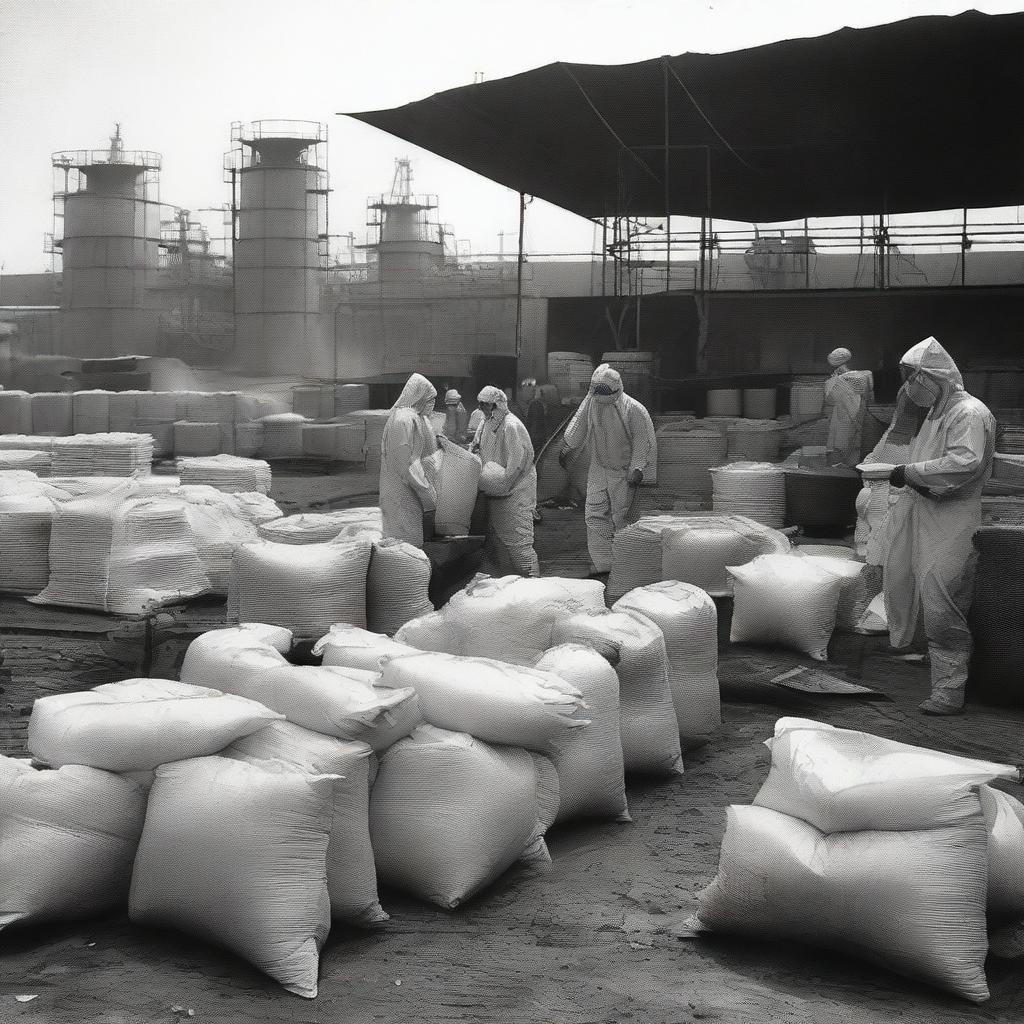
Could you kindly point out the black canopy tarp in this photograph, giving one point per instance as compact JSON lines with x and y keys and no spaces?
{"x":922,"y":114}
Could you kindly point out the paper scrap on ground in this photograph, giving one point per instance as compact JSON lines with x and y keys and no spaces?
{"x":812,"y":680}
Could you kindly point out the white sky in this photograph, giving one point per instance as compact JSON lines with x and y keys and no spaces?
{"x":176,"y":73}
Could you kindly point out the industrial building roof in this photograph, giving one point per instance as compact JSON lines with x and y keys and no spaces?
{"x":922,"y":114}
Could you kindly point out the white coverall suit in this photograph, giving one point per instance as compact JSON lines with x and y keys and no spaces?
{"x":929,"y":566}
{"x":405,"y":492}
{"x":502,"y":439}
{"x":456,"y":419}
{"x":847,"y":394}
{"x":620,"y":433}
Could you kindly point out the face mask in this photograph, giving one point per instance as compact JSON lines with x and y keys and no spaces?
{"x":922,"y":391}
{"x":605,"y":399}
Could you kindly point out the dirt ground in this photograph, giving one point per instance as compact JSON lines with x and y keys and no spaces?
{"x":588,"y":940}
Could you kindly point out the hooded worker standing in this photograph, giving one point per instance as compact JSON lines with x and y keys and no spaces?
{"x":509,"y":479}
{"x":847,"y":395}
{"x":456,"y":418}
{"x":929,"y":566}
{"x":407,"y":498}
{"x":622,"y":448}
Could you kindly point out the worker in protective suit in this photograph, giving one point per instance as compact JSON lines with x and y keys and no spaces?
{"x":456,"y":418}
{"x":509,"y":479}
{"x":407,"y":498}
{"x":847,"y":394}
{"x":622,"y":448}
{"x":928,"y":573}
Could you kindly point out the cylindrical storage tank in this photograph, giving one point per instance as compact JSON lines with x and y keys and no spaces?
{"x":806,"y":396}
{"x":53,"y":414}
{"x":110,"y":249}
{"x":685,"y":458}
{"x":756,"y":490}
{"x":636,"y":370}
{"x":91,"y":412}
{"x":15,"y":412}
{"x":820,"y":498}
{"x":282,"y":436}
{"x":725,"y":402}
{"x":755,"y":440}
{"x":278,"y":269}
{"x":570,"y":372}
{"x":759,"y":403}
{"x":350,"y":397}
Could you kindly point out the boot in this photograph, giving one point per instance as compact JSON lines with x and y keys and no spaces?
{"x":949,"y":680}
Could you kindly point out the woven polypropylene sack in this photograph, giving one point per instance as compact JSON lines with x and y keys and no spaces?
{"x":91,"y":411}
{"x":588,"y":762}
{"x":352,"y":647}
{"x":804,"y":621}
{"x":396,"y":586}
{"x":433,"y":632}
{"x":227,"y":473}
{"x":136,"y":724}
{"x":52,"y":413}
{"x":510,"y":618}
{"x":351,"y":875}
{"x":306,"y":587}
{"x":647,"y":717}
{"x":455,"y":474}
{"x":913,"y":902}
{"x":698,"y":549}
{"x":15,"y":412}
{"x":636,"y":555}
{"x":235,"y":853}
{"x":25,"y":522}
{"x":67,"y":842}
{"x":689,"y":621}
{"x":449,"y":814}
{"x":842,"y":780}
{"x":340,"y":702}
{"x":37,"y":462}
{"x":856,"y":591}
{"x":753,"y":489}
{"x":216,"y":657}
{"x":1004,"y":819}
{"x":491,"y":700}
{"x":110,"y":454}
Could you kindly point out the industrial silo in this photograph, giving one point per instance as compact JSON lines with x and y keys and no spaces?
{"x":107,"y":229}
{"x":410,"y":246}
{"x":279,"y":194}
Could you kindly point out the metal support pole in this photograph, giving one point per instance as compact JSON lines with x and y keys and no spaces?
{"x":519,"y":279}
{"x":963,"y":251}
{"x":668,"y":193}
{"x":807,"y":256}
{"x":604,"y":255}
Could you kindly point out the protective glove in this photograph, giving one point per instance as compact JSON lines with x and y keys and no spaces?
{"x":563,"y":457}
{"x":898,"y":477}
{"x":635,"y":478}
{"x":428,"y":525}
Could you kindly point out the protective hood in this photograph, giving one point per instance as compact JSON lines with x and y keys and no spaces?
{"x":931,"y":358}
{"x":452,"y":397}
{"x":495,"y":396}
{"x":839,"y":356}
{"x":604,"y":374}
{"x":417,"y":391}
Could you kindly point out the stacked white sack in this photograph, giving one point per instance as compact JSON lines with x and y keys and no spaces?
{"x":102,"y":455}
{"x":687,"y":617}
{"x":25,"y":522}
{"x":227,"y":473}
{"x":282,"y":435}
{"x":91,"y":411}
{"x":304,"y":587}
{"x":38,"y":462}
{"x":491,"y":700}
{"x":52,"y":413}
{"x":15,"y":412}
{"x":591,"y":780}
{"x":323,"y":527}
{"x":236,"y":853}
{"x":636,"y":554}
{"x":67,"y":842}
{"x":351,"y":875}
{"x":397,"y":586}
{"x":352,"y":647}
{"x":138,"y":724}
{"x":219,"y":656}
{"x":449,"y":814}
{"x":636,"y":646}
{"x":455,"y":474}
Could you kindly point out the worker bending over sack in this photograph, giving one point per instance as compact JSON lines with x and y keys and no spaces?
{"x":928,"y":573}
{"x":509,"y":479}
{"x":407,"y":498}
{"x":622,"y":448}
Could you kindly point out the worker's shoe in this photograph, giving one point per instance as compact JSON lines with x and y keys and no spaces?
{"x":934,"y":707}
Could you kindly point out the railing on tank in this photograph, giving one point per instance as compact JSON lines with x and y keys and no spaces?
{"x":144,"y":158}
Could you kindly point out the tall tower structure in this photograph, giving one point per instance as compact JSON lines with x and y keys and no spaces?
{"x":410,"y":245}
{"x":107,"y":231}
{"x":279,"y":193}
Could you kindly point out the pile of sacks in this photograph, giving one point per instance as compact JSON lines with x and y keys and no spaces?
{"x":900,"y":854}
{"x":227,"y":473}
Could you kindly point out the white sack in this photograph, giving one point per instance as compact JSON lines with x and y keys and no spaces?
{"x":647,"y":717}
{"x":491,"y":700}
{"x":433,"y":632}
{"x":591,"y":782}
{"x":1004,"y":819}
{"x":688,"y":618}
{"x":352,"y":647}
{"x":225,"y":660}
{"x":913,"y":902}
{"x":351,"y":875}
{"x":455,"y":474}
{"x":235,"y":853}
{"x":67,"y":841}
{"x":138,"y":724}
{"x":396,"y":586}
{"x":449,"y":814}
